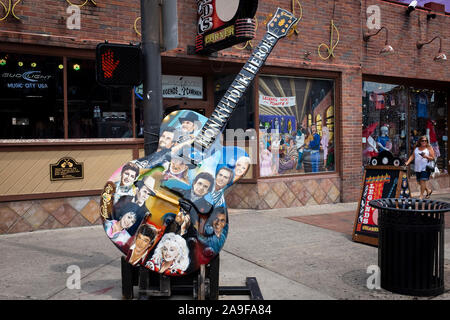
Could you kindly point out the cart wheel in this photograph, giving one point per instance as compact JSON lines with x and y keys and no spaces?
{"x":396,"y":162}
{"x":373,"y":161}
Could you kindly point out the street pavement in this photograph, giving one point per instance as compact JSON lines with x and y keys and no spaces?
{"x":301,"y":258}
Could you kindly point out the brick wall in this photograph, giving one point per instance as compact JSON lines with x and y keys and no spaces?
{"x":404,"y":32}
{"x":109,"y":20}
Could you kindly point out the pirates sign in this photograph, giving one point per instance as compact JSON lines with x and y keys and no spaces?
{"x":224,"y":23}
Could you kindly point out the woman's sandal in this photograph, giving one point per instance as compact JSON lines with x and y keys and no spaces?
{"x":428,"y":194}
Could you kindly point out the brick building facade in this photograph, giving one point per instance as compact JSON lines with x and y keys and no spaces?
{"x":40,"y":29}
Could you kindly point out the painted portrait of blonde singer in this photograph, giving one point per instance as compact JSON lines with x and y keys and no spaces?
{"x":171,"y":255}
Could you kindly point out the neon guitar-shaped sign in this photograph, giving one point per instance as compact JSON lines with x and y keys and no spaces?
{"x":167,"y":211}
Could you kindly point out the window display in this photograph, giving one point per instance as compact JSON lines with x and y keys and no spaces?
{"x":32,"y":100}
{"x":96,"y":111}
{"x":384,"y":123}
{"x":32,"y":97}
{"x":395,"y":116}
{"x":296,"y":125}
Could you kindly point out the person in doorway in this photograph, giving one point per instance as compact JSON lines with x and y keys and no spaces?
{"x":422,"y":153}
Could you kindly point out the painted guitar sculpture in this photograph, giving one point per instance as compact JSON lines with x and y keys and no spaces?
{"x":167,"y":211}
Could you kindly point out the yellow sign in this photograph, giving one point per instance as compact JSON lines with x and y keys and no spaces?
{"x":219,"y":35}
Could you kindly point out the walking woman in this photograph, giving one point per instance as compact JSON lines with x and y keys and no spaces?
{"x":423,"y":152}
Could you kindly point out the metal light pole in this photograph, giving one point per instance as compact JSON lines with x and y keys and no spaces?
{"x":152,"y":90}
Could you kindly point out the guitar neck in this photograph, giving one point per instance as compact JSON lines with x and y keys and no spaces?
{"x":226,"y":106}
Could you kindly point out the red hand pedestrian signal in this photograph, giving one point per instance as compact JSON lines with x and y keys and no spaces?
{"x":118,"y":65}
{"x":108,"y":64}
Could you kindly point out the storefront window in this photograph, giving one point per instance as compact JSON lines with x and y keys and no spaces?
{"x":293,"y":137}
{"x":96,"y":111}
{"x":394,"y":117}
{"x":31,"y":100}
{"x":385,"y":122}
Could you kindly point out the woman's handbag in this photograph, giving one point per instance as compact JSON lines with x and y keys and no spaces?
{"x":431,"y":165}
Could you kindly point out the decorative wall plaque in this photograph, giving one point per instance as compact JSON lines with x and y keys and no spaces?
{"x":66,"y":169}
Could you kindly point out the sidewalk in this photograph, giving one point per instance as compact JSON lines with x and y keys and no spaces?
{"x":297,"y":253}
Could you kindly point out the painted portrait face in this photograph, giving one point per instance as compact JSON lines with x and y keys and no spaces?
{"x":169,"y":251}
{"x":201,"y":187}
{"x":222,"y":178}
{"x":143,"y":193}
{"x":242,"y":166}
{"x":166,"y":139}
{"x":313,"y":129}
{"x":142,"y":243}
{"x":187,"y":126}
{"x":127,"y":220}
{"x":128,"y":177}
{"x":219,"y":223}
{"x":177,"y":166}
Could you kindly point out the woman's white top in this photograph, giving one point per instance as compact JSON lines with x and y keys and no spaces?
{"x":420,"y":163}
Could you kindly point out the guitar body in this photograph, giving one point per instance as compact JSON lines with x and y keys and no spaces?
{"x":177,"y":240}
{"x":167,"y":211}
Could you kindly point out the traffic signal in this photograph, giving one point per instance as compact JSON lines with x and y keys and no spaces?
{"x":118,"y":64}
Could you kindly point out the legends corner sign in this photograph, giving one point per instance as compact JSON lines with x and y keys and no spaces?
{"x":224,"y":23}
{"x":66,"y":169}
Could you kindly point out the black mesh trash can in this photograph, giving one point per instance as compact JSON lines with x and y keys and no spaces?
{"x":411,"y":245}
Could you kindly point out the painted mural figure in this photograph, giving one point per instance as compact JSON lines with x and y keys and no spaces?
{"x":166,"y":139}
{"x":171,"y":255}
{"x":216,"y":231}
{"x":241,"y":168}
{"x":186,"y":132}
{"x":177,"y":169}
{"x":124,"y":187}
{"x":136,"y":203}
{"x":224,"y":176}
{"x":314,"y":146}
{"x":144,"y":241}
{"x":117,"y":229}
